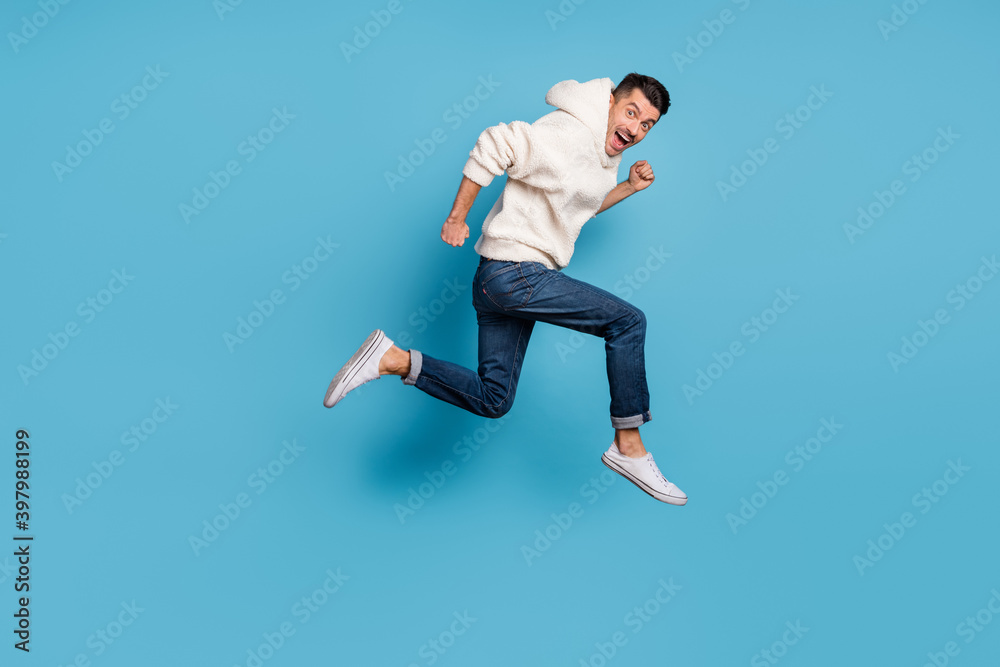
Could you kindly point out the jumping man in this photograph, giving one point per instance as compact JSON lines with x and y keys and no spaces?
{"x":562,"y":170}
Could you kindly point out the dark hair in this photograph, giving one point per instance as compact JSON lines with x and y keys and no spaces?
{"x":650,"y":87}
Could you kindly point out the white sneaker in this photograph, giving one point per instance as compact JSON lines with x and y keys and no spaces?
{"x":361,"y":368}
{"x":643,"y":473}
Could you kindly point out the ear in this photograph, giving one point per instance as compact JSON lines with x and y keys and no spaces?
{"x":611,"y":102}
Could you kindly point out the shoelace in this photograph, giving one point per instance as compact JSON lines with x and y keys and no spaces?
{"x":657,"y":471}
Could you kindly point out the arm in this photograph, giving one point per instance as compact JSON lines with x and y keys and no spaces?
{"x":455,"y":231}
{"x":498,"y":149}
{"x":622,"y":190}
{"x":640,"y":177}
{"x":501,"y":148}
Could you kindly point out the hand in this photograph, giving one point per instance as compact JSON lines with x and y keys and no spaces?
{"x":640,"y":176}
{"x":454,"y":232}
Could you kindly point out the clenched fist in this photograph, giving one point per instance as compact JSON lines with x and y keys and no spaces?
{"x":454,"y":232}
{"x":640,"y":176}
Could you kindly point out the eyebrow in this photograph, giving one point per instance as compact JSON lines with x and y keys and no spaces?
{"x":633,"y":104}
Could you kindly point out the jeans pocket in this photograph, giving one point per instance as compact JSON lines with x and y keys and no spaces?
{"x":507,"y":288}
{"x":493,"y":268}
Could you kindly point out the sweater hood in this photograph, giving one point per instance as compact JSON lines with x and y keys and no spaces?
{"x":588,"y":103}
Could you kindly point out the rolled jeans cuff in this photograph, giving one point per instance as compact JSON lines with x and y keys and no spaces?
{"x":416,"y":361}
{"x":634,"y":421}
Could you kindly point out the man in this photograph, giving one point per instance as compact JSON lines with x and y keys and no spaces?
{"x":562,"y":170}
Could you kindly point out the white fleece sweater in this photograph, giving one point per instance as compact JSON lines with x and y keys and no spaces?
{"x":558,"y":175}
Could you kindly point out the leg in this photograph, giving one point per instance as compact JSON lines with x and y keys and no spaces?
{"x":395,"y":361}
{"x":553,"y":297}
{"x":490,"y":391}
{"x":398,"y":362}
{"x":629,"y":443}
{"x":509,"y":298}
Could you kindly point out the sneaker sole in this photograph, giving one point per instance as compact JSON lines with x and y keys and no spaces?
{"x":670,"y":500}
{"x":349,"y":370}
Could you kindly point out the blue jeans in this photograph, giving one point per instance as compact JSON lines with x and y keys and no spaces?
{"x":509,"y":297}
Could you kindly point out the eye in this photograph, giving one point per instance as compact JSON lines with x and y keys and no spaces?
{"x":645,"y":126}
{"x":629,"y":112}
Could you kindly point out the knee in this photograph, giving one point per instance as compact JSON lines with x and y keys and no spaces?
{"x":636,"y":320}
{"x":641,"y":316}
{"x":496,"y":411}
{"x":630,"y":322}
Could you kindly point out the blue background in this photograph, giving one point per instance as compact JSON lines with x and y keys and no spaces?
{"x":334,"y":506}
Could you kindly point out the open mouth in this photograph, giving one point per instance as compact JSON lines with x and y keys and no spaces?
{"x":620,"y":140}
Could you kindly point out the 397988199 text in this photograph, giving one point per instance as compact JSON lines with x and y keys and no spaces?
{"x":22,"y":542}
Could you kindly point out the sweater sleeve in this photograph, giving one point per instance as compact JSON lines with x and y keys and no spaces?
{"x":500,"y":148}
